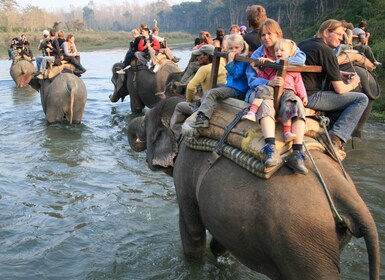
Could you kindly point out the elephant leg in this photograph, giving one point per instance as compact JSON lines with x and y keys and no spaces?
{"x":54,"y":116}
{"x":194,"y":246}
{"x":217,"y":248}
{"x":136,"y":104}
{"x":364,"y":118}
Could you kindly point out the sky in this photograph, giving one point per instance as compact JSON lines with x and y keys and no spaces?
{"x":50,"y":5}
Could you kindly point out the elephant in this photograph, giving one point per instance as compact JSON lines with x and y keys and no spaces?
{"x":282,"y":227}
{"x":370,"y":86}
{"x":63,"y":97}
{"x":143,"y":86}
{"x":21,"y":72}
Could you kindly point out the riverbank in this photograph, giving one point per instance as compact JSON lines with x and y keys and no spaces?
{"x":94,"y":40}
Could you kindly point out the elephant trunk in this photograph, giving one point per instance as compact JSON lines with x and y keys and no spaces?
{"x":137,"y":134}
{"x":363,"y":225}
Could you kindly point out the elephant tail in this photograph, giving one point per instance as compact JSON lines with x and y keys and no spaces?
{"x":72,"y":98}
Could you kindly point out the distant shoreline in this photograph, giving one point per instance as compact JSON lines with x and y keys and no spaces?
{"x":94,"y":40}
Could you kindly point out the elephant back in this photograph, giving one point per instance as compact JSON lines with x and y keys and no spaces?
{"x":21,"y":72}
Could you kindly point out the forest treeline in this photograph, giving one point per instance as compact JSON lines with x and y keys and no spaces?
{"x":299,"y":19}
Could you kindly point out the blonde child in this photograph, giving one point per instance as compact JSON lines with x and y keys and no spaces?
{"x":294,"y":87}
{"x":236,"y":81}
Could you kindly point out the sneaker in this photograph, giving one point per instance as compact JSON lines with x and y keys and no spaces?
{"x":175,"y":59}
{"x":201,"y":121}
{"x":296,"y":161}
{"x":377,"y":63}
{"x":249,"y":116}
{"x":121,"y":72}
{"x":270,"y":155}
{"x":330,"y":147}
{"x":289,"y":136}
{"x":156,"y":68}
{"x":39,"y":76}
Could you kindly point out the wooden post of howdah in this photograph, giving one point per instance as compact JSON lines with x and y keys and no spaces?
{"x":282,"y":67}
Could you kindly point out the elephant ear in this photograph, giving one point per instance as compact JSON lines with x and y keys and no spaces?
{"x":162,"y":147}
{"x":35,"y":84}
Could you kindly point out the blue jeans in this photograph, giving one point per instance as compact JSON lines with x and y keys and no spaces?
{"x":351,"y":105}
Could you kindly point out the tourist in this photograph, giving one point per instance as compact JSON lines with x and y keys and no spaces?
{"x":236,"y":81}
{"x":332,"y":89}
{"x":255,"y":15}
{"x":270,"y":32}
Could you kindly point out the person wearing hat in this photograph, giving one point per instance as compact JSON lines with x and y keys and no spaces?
{"x":204,"y":56}
{"x":243,"y":30}
{"x":24,"y":48}
{"x":41,"y":61}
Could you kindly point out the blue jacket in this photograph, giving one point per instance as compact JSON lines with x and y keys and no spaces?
{"x":298,"y":59}
{"x":236,"y":77}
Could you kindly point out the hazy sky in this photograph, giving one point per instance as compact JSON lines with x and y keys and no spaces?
{"x":50,"y":5}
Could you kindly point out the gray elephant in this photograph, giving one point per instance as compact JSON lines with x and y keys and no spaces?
{"x":143,"y":86}
{"x":21,"y":72}
{"x":282,"y":227}
{"x":370,"y":86}
{"x":63,"y":97}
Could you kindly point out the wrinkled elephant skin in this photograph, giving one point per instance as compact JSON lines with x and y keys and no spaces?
{"x":282,"y":227}
{"x":142,"y":85}
{"x":62,"y":98}
{"x":22,"y":72}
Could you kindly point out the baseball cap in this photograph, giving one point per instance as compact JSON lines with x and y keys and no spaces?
{"x":45,"y":32}
{"x":205,"y":49}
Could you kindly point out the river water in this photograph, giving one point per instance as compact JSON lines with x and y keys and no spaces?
{"x":78,"y":203}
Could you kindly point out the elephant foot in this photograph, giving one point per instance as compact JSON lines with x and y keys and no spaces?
{"x":217,"y":248}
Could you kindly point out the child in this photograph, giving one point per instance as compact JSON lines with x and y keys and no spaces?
{"x":236,"y":81}
{"x":293,"y":84}
{"x":135,"y":37}
{"x":291,"y":104}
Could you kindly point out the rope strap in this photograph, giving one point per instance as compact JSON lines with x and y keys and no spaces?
{"x":219,"y":147}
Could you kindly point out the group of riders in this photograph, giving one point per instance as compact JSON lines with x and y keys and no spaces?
{"x":145,"y":45}
{"x":55,"y":51}
{"x":329,"y":91}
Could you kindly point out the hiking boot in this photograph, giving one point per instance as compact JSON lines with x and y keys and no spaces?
{"x":270,"y":155}
{"x":296,"y":161}
{"x":201,"y":121}
{"x":288,"y":136}
{"x":335,"y":145}
{"x":249,"y":116}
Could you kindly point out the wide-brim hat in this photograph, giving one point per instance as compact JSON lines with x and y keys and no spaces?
{"x":205,"y":49}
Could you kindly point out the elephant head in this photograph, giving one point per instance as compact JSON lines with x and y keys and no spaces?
{"x":370,"y":86}
{"x":21,"y":72}
{"x":120,"y":89}
{"x":152,"y":132}
{"x":144,"y":86}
